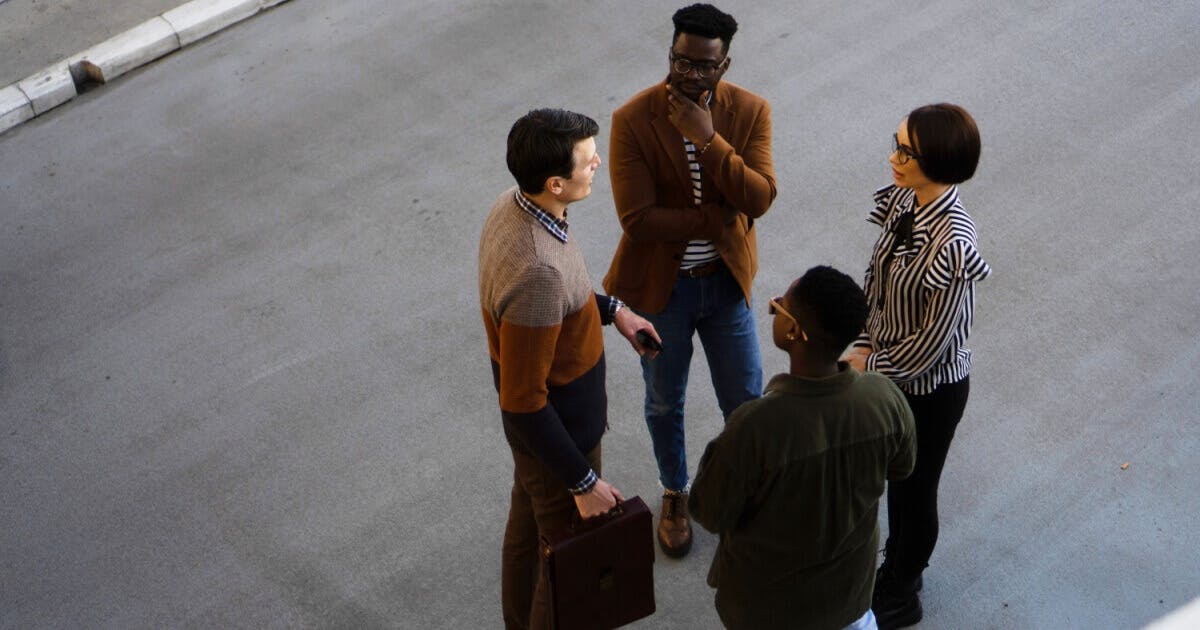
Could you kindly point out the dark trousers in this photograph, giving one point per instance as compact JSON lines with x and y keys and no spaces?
{"x":912,"y":503}
{"x":540,"y":503}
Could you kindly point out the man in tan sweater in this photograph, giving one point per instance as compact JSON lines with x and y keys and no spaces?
{"x":543,"y":321}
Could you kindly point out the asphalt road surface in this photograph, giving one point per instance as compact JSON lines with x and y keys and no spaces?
{"x":244,"y":381}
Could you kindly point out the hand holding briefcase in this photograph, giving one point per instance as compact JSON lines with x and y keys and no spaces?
{"x":600,"y":573}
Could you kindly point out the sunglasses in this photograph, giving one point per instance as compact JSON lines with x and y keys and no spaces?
{"x":776,"y":306}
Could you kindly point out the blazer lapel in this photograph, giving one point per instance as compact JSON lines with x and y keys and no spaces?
{"x":722,"y":117}
{"x":671,"y":143}
{"x":722,"y":111}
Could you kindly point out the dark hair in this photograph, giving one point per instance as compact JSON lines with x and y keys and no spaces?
{"x":833,"y":304}
{"x":947,"y":139}
{"x":705,"y":20}
{"x":541,"y":145}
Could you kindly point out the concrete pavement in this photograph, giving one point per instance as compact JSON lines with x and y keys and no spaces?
{"x":37,"y":33}
{"x":243,"y":382}
{"x":107,"y":60}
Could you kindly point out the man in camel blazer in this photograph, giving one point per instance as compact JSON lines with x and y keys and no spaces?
{"x":690,"y":163}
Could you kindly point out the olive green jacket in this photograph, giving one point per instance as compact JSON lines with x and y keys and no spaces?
{"x":792,"y":485}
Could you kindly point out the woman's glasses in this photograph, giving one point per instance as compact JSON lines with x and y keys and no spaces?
{"x":906,"y":152}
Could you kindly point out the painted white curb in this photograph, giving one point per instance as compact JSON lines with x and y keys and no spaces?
{"x":200,"y":18}
{"x":158,"y":36}
{"x":15,"y":107}
{"x":49,"y":88}
{"x":134,"y":48}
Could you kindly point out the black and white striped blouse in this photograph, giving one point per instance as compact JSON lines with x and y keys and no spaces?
{"x":920,"y":286}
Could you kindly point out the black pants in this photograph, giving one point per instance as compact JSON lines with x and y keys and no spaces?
{"x":912,"y":503}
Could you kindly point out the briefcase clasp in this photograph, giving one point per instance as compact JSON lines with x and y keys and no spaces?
{"x":607,"y":580}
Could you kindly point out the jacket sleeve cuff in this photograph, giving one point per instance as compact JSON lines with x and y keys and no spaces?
{"x":875,"y":359}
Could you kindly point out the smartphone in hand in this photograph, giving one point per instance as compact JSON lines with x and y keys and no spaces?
{"x":646,"y":341}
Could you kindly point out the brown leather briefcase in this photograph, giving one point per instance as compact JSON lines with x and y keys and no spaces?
{"x":601,"y":572}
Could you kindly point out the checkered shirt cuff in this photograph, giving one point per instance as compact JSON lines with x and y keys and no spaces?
{"x":586,"y":484}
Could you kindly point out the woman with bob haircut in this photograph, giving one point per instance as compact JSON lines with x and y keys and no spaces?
{"x":920,"y":286}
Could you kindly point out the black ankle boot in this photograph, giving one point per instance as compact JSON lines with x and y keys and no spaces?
{"x":895,"y":600}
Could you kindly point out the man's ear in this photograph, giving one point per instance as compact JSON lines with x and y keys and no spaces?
{"x":554,"y":185}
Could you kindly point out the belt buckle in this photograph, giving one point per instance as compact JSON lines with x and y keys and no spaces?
{"x":703,"y":270}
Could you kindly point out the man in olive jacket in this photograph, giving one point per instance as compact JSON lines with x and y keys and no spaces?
{"x":792,"y":484}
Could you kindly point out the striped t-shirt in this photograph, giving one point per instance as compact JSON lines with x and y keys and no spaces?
{"x":698,"y":252}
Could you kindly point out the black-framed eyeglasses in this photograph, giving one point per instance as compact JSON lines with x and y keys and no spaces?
{"x":776,"y":306}
{"x":683,"y":65}
{"x":906,"y":152}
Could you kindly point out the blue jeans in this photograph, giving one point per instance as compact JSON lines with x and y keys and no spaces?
{"x":714,"y":307}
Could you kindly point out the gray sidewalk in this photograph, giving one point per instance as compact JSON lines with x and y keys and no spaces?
{"x":37,"y":33}
{"x":243,"y":380}
{"x":110,"y":58}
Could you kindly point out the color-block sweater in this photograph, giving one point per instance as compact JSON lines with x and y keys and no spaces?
{"x":543,"y":320}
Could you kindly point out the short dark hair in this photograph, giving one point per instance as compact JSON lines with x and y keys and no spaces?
{"x":947,"y":139}
{"x":832,"y":304}
{"x":541,"y":145}
{"x":705,"y":20}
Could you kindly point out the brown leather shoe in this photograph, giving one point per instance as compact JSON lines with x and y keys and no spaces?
{"x":674,"y":525}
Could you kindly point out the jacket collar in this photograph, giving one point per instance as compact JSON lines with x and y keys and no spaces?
{"x":923,"y":214}
{"x":801,"y":386}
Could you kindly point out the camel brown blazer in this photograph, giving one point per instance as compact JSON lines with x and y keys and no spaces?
{"x":652,"y":190}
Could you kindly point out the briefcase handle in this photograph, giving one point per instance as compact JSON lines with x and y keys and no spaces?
{"x":580,"y":524}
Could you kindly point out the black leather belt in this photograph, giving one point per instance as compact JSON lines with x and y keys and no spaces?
{"x":700,"y":271}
